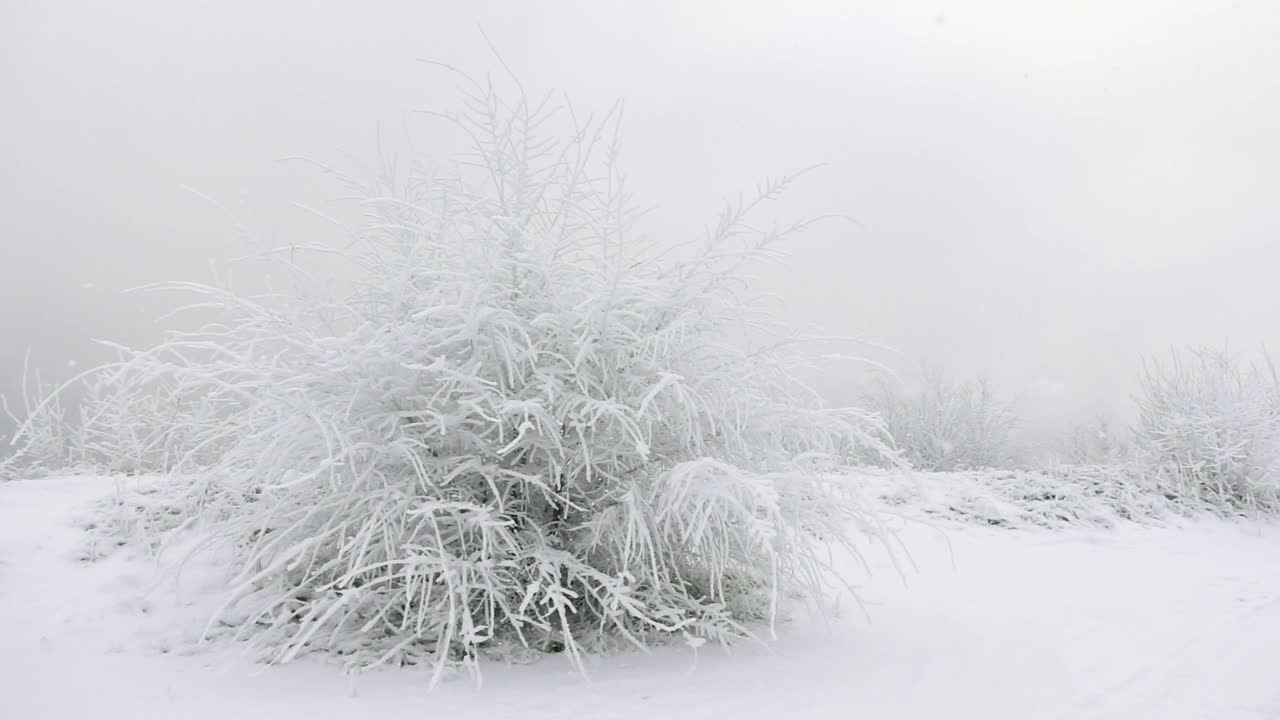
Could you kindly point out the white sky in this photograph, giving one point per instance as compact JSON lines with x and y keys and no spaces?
{"x":1045,"y":190}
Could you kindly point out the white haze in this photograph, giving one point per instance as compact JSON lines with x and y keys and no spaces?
{"x":1043,"y":191}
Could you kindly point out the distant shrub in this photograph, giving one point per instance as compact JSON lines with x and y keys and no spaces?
{"x":1098,"y":442}
{"x":47,"y":442}
{"x":942,"y":424}
{"x":1057,"y":497}
{"x":526,"y":428}
{"x":1211,"y":423}
{"x":109,"y":426}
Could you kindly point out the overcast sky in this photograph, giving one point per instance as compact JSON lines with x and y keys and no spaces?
{"x":1044,"y":190}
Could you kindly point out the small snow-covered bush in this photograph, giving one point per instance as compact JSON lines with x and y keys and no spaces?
{"x":943,"y":424}
{"x":1211,"y":423}
{"x":132,"y":422}
{"x":525,"y":427}
{"x":116,"y":427}
{"x":47,"y":442}
{"x":1098,"y":442}
{"x":1062,"y":496}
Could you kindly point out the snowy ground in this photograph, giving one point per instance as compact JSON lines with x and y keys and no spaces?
{"x":1135,"y":622}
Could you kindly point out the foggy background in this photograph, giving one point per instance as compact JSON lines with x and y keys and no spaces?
{"x":1044,"y":190}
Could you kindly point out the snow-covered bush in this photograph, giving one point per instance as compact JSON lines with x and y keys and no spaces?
{"x":115,"y":427}
{"x":1098,"y":442}
{"x":525,"y":427}
{"x":942,"y":424}
{"x":47,"y":442}
{"x":1211,"y":424}
{"x":1061,"y":496}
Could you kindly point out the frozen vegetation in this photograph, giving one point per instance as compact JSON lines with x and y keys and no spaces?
{"x":526,"y":430}
{"x":944,"y":424}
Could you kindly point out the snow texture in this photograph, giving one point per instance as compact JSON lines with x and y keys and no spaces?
{"x":1171,"y":622}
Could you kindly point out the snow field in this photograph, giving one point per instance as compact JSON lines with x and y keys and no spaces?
{"x":1174,"y":621}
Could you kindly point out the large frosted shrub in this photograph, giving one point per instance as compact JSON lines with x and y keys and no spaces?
{"x":944,"y":424}
{"x":1211,"y":424}
{"x":526,"y":427}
